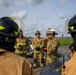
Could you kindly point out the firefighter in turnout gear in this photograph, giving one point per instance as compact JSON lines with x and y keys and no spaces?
{"x":52,"y":46}
{"x":37,"y":54}
{"x":44,"y":46}
{"x":22,"y":45}
{"x":45,"y":39}
{"x":70,"y":65}
{"x":10,"y":62}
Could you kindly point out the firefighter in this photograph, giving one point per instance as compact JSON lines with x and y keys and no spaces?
{"x":52,"y":46}
{"x":44,"y":47}
{"x":21,"y":45}
{"x":45,"y":40}
{"x":70,"y":65}
{"x":37,"y":54}
{"x":10,"y":62}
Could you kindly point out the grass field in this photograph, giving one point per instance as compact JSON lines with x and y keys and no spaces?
{"x":65,"y":41}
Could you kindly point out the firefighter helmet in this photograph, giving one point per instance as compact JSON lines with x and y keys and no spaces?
{"x":51,"y":31}
{"x":37,"y":32}
{"x":47,"y":32}
{"x":8,"y":27}
{"x":72,"y":24}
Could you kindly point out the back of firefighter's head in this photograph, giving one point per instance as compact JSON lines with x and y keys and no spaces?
{"x":72,"y":26}
{"x":37,"y":33}
{"x":8,"y":33}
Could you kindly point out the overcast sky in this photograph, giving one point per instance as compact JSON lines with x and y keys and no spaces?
{"x":40,"y":14}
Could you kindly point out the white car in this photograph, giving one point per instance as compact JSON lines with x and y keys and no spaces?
{"x":30,"y":52}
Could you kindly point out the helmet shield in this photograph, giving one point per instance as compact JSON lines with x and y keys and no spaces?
{"x":20,"y":32}
{"x":19,"y":22}
{"x":66,"y":27}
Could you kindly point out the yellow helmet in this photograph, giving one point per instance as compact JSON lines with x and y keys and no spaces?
{"x":51,"y":31}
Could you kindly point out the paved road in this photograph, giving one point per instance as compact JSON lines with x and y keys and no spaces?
{"x":62,"y":50}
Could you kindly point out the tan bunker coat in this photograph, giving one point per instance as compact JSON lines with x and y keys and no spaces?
{"x":13,"y":64}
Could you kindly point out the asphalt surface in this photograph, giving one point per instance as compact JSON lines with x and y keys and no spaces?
{"x":62,"y":50}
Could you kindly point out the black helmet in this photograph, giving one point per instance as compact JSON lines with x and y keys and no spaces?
{"x":72,"y":24}
{"x":37,"y":32}
{"x":8,"y":27}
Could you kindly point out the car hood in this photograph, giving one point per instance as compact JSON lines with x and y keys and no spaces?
{"x":51,"y":68}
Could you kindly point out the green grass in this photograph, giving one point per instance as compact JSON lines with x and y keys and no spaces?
{"x":65,"y":41}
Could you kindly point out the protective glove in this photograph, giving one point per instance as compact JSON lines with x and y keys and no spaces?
{"x":38,"y":48}
{"x":44,"y":48}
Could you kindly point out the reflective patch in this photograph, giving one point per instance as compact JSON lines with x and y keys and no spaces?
{"x":16,"y":33}
{"x":72,"y":27}
{"x":2,"y":27}
{"x":34,"y":65}
{"x":42,"y":65}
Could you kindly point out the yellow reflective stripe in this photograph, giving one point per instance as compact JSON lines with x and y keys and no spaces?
{"x":14,"y":46}
{"x":34,"y":65}
{"x":39,"y":51}
{"x":18,"y":44}
{"x":23,"y":43}
{"x":16,"y":33}
{"x":25,"y":51}
{"x":34,"y":46}
{"x":20,"y":52}
{"x":16,"y":51}
{"x":2,"y":27}
{"x":72,"y":27}
{"x":41,"y":46}
{"x":38,"y":45}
